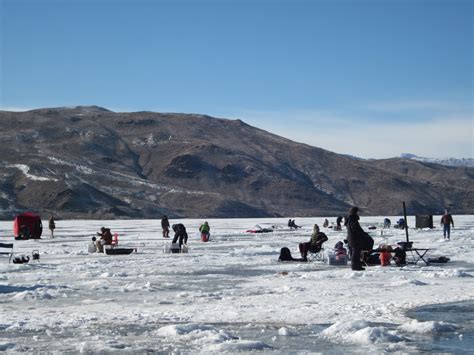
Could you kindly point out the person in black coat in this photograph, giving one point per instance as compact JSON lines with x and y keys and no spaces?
{"x":165,"y":226}
{"x":180,"y":233}
{"x":357,"y":238}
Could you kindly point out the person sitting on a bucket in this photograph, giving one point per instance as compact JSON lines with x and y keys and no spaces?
{"x":205,"y":229}
{"x":105,"y":239}
{"x":339,"y":250}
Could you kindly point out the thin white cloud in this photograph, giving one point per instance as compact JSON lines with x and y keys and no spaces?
{"x":445,"y":135}
{"x":15,"y":108}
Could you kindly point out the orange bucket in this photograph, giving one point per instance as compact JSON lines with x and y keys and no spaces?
{"x":385,"y":258}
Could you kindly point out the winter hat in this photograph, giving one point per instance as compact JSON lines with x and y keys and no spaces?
{"x":353,"y":210}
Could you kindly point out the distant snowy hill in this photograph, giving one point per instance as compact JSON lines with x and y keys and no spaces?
{"x":443,"y":161}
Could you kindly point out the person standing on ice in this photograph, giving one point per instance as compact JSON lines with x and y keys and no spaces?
{"x":165,"y":225}
{"x":338,"y":223}
{"x":357,"y":238}
{"x":52,"y":226}
{"x":181,"y":234}
{"x":446,"y":222}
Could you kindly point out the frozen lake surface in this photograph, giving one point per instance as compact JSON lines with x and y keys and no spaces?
{"x":231,"y":294}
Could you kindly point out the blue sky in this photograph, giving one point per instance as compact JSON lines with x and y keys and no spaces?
{"x":368,"y":78}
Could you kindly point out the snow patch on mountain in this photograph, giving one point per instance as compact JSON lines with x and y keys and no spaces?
{"x":443,"y":161}
{"x":25,"y":169}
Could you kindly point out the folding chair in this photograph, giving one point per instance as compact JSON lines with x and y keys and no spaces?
{"x":317,"y":255}
{"x":7,"y":246}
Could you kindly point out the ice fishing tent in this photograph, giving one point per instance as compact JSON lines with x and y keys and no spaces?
{"x":27,"y":225}
{"x":424,"y":221}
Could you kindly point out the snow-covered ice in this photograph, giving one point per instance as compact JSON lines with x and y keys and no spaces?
{"x":227,"y":295}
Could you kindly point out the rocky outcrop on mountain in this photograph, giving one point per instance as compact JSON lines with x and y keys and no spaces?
{"x":89,"y":162}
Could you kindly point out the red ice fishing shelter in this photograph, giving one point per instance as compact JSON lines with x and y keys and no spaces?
{"x":28,"y":221}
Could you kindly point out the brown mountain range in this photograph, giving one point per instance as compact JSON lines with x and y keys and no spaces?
{"x":88,"y":162}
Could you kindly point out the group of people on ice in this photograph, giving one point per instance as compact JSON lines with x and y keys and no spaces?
{"x":357,"y":239}
{"x":180,"y":233}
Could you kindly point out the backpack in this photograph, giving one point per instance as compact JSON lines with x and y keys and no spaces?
{"x":285,"y":255}
{"x":21,"y":259}
{"x":441,"y":259}
{"x":373,"y":259}
{"x":400,"y":256}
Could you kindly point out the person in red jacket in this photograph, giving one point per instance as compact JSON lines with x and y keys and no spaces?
{"x":446,"y":222}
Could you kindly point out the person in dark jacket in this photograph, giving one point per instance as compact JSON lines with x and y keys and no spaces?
{"x":346,"y":220}
{"x":446,"y":222}
{"x":401,"y":223}
{"x":180,"y":233}
{"x":338,"y":223}
{"x":357,"y":238}
{"x":165,"y":225}
{"x":314,"y":244}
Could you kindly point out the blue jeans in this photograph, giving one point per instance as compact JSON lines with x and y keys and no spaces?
{"x":447,"y":230}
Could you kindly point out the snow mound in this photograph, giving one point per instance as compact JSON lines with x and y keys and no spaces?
{"x":427,"y":327}
{"x":360,"y":332}
{"x":287,"y":289}
{"x":239,"y":345}
{"x":450,"y":273}
{"x":131,"y":287}
{"x":408,"y":282}
{"x":356,"y":275}
{"x":109,"y":346}
{"x":195,"y":333}
{"x":38,"y":294}
{"x":284,"y":331}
